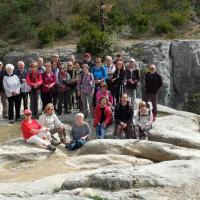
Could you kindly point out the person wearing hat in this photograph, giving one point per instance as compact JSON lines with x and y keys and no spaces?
{"x":2,"y":92}
{"x":34,"y":133}
{"x":132,"y":78}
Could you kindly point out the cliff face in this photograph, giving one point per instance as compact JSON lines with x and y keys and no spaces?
{"x":178,"y":62}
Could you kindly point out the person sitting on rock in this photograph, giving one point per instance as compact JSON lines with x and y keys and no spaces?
{"x":49,"y":120}
{"x":102,"y":118}
{"x":123,"y":115}
{"x":143,"y":122}
{"x":80,"y":133}
{"x":34,"y":133}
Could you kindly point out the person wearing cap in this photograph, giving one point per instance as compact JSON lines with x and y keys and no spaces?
{"x":104,"y":92}
{"x":11,"y":84}
{"x":87,"y":59}
{"x":153,"y":82}
{"x":132,"y":78}
{"x":102,"y":118}
{"x":85,"y":89}
{"x":22,"y":73}
{"x":49,"y":120}
{"x":35,"y":133}
{"x":2,"y":93}
{"x":143,"y":121}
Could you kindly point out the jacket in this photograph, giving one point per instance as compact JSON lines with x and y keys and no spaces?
{"x":2,"y":74}
{"x":48,"y":80}
{"x":134,"y":76}
{"x":98,"y":113}
{"x":123,"y":113}
{"x":120,"y":75}
{"x":153,"y":82}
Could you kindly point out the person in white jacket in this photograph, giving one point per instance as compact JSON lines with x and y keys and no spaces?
{"x":11,"y":84}
{"x":49,"y":120}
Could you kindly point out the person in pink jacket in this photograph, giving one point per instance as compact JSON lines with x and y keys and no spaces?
{"x":103,"y":92}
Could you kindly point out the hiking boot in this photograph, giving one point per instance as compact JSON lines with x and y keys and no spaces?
{"x":63,"y":140}
{"x":55,"y":142}
{"x":11,"y":121}
{"x":51,"y":147}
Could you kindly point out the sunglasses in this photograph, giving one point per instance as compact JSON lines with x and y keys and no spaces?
{"x":151,"y":68}
{"x":62,"y":68}
{"x":28,"y":114}
{"x":69,"y":65}
{"x":50,"y":109}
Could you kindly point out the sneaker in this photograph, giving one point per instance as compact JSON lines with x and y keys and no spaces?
{"x":55,"y":142}
{"x":11,"y":121}
{"x":51,"y":147}
{"x":5,"y":116}
{"x":146,"y":138}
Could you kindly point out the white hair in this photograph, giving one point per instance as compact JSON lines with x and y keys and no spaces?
{"x":40,"y":58}
{"x":108,"y":58}
{"x":80,"y":115}
{"x":10,"y":66}
{"x":20,"y":62}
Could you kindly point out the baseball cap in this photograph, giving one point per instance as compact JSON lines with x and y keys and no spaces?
{"x":27,"y":111}
{"x":132,"y":60}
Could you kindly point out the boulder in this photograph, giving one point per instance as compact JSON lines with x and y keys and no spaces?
{"x":151,"y":150}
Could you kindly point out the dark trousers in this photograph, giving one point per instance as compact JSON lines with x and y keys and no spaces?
{"x":63,"y":97}
{"x":55,"y":97}
{"x":75,"y":144}
{"x":118,"y":91}
{"x":24,"y":97}
{"x":34,"y":96}
{"x":129,"y":131}
{"x":46,"y":97}
{"x":153,"y":98}
{"x":13,"y":101}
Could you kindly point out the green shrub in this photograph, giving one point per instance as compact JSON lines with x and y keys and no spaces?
{"x":97,"y":43}
{"x":164,"y":27}
{"x":61,"y":30}
{"x":3,"y":44}
{"x":178,"y":19}
{"x":139,"y":23}
{"x":46,"y":35}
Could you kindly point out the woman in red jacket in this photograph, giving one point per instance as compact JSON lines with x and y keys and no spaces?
{"x":34,"y":79}
{"x":102,"y":118}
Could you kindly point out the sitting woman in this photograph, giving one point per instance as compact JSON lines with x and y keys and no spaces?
{"x":102,"y":118}
{"x":103,"y":92}
{"x":80,"y":133}
{"x":49,"y":120}
{"x":143,"y":122}
{"x":34,"y":133}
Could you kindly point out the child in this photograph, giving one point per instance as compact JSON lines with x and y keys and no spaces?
{"x":143,"y":121}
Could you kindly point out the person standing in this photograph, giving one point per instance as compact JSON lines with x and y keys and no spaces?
{"x":118,"y":80}
{"x":2,"y":93}
{"x":22,"y":73}
{"x":153,"y":82}
{"x":85,"y":88}
{"x":47,"y":88}
{"x":132,"y":78}
{"x":87,"y":59}
{"x":41,"y":68}
{"x":11,"y":85}
{"x":34,"y":79}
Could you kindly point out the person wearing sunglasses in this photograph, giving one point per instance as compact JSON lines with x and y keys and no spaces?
{"x":153,"y":82}
{"x":49,"y":120}
{"x":35,"y":133}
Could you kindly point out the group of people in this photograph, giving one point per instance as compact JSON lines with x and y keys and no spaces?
{"x":101,"y":90}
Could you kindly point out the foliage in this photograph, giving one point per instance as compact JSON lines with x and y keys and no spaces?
{"x":164,"y":27}
{"x":46,"y":35}
{"x":97,"y":43}
{"x":178,"y":19}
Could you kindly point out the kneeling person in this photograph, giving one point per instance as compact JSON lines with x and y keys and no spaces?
{"x":80,"y":133}
{"x":102,"y":118}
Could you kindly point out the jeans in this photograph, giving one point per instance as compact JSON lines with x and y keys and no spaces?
{"x":153,"y":98}
{"x":132,"y":95}
{"x":87,"y":99}
{"x":100,"y":131}
{"x":75,"y":144}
